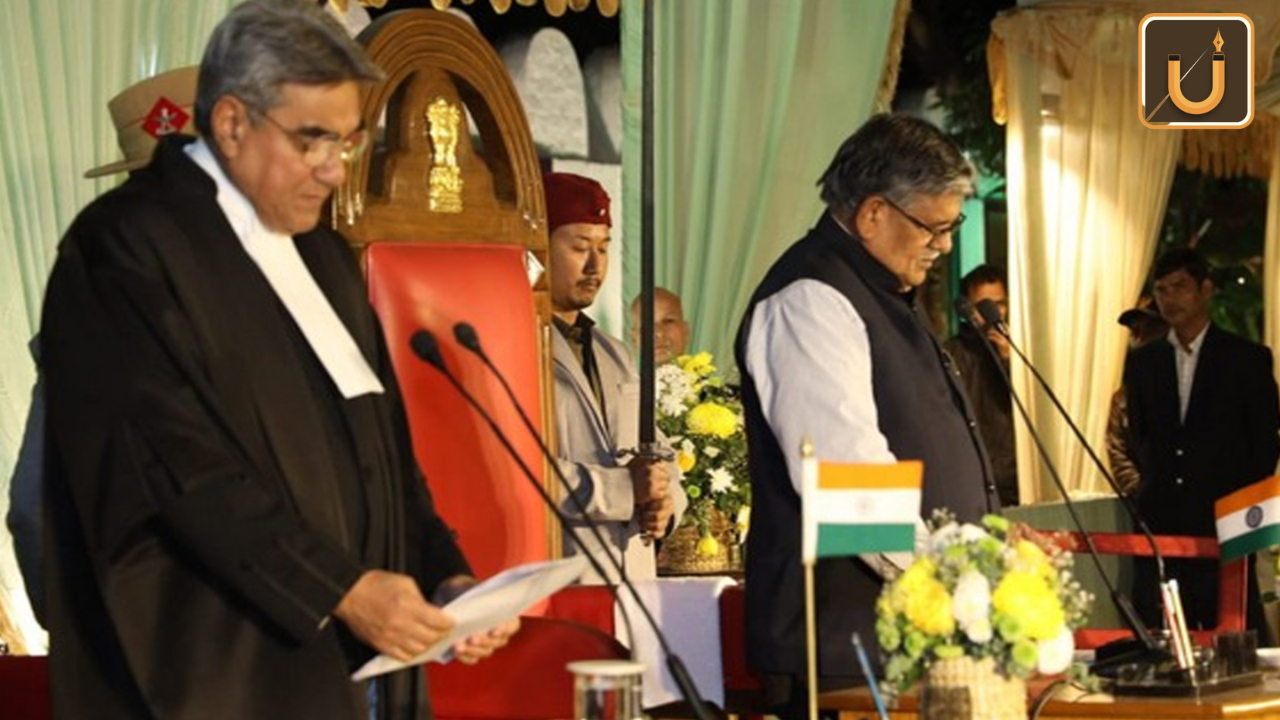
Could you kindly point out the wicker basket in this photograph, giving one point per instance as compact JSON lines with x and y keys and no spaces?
{"x":971,"y":689}
{"x":679,"y":554}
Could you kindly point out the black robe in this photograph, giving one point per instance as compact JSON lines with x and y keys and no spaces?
{"x":211,"y":496}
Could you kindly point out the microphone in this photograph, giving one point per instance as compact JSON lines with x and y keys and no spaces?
{"x":991,"y":315}
{"x":467,"y":337}
{"x":424,"y":345}
{"x":1150,"y":647}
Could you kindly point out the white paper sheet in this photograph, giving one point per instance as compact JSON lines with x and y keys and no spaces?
{"x":486,"y":605}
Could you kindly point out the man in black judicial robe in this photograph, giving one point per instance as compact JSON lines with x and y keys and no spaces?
{"x":232,"y":528}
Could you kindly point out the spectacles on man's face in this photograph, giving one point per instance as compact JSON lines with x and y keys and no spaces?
{"x":321,"y":147}
{"x":934,"y":233}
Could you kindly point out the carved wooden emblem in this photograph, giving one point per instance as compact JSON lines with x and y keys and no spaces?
{"x":444,"y":123}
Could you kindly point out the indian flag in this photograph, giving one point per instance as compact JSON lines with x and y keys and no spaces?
{"x":1249,"y":519}
{"x":850,"y":509}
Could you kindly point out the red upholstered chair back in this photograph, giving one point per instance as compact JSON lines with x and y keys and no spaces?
{"x":478,"y":488}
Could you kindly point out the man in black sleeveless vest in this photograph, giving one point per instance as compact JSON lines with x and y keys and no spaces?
{"x":835,"y":348}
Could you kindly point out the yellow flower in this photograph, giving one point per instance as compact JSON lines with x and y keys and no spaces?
{"x":686,"y":461}
{"x":708,"y":546}
{"x":928,"y":608}
{"x":1030,"y":558}
{"x":711,"y":418}
{"x":911,"y":582}
{"x":1027,"y":598}
{"x":700,"y":364}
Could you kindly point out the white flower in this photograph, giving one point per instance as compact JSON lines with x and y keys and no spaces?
{"x":979,"y":632}
{"x":721,"y":480}
{"x":687,"y":447}
{"x":972,"y":533}
{"x":943,"y":536}
{"x":670,"y":405}
{"x":971,"y":605}
{"x":676,"y":390}
{"x":1056,"y":652}
{"x":711,"y":451}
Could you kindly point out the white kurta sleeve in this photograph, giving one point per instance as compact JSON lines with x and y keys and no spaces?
{"x":810,"y":357}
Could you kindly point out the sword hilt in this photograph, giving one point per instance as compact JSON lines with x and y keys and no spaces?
{"x":652,"y":452}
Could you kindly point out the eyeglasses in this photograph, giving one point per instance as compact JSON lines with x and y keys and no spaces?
{"x":934,"y":233}
{"x":319,"y":147}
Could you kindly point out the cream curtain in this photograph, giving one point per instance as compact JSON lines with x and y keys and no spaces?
{"x":1087,"y":190}
{"x":1271,"y":251}
{"x":63,"y":61}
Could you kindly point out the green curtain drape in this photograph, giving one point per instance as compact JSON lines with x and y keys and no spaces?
{"x":752,"y":98}
{"x":63,"y":60}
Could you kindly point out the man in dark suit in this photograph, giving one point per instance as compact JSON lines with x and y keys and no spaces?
{"x":236,"y":521}
{"x":1204,"y":418}
{"x":984,"y":377}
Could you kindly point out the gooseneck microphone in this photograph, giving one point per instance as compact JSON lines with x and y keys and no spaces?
{"x":964,"y":308}
{"x":424,"y":345}
{"x":990,"y":314}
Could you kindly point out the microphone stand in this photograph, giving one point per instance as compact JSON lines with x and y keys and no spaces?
{"x":991,"y":315}
{"x":425,"y":347}
{"x":1150,"y":650}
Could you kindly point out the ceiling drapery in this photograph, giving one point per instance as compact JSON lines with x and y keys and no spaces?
{"x":554,"y":8}
{"x":1071,"y":24}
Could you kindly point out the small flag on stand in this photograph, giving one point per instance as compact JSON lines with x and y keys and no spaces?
{"x":1249,"y":519}
{"x":850,"y":509}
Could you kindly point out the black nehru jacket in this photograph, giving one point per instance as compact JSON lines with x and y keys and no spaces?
{"x":922,"y":412}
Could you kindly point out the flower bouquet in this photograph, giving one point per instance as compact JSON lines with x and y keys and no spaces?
{"x":995,"y":596}
{"x":701,"y":417}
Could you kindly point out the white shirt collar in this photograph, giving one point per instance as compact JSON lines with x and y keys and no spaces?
{"x":1192,"y":348}
{"x":239,"y":211}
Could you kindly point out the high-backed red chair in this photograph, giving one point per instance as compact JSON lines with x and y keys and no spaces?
{"x":443,"y":225}
{"x":1233,"y":579}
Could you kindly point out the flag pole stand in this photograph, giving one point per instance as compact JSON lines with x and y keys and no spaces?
{"x":808,"y":556}
{"x":811,"y":642}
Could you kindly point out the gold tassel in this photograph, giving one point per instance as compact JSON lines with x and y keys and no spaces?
{"x":893,"y":57}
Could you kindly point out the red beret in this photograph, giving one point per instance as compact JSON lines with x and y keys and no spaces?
{"x":575,"y":199}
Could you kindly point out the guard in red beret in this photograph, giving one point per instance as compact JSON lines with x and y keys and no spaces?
{"x":597,"y":390}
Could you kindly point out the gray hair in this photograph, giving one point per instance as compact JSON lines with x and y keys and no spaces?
{"x":264,"y":44}
{"x":896,"y":156}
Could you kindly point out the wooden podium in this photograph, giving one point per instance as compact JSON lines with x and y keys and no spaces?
{"x":1261,"y":702}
